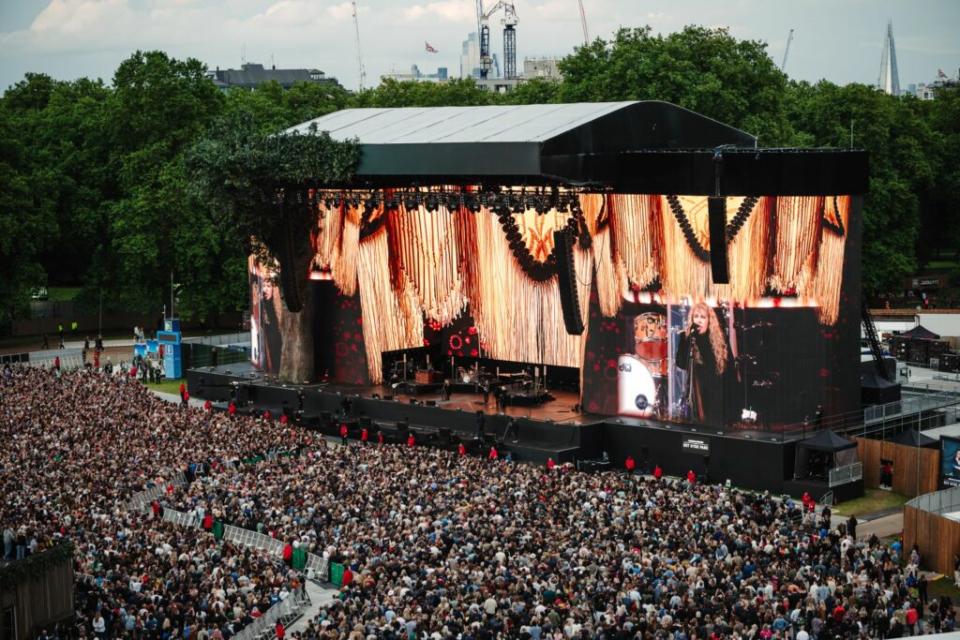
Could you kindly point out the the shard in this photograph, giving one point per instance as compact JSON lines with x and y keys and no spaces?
{"x":889,"y":75}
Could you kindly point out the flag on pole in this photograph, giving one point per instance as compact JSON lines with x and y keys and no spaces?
{"x":940,"y":73}
{"x":430,"y":49}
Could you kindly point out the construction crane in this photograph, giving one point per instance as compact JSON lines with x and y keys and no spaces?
{"x":583,"y":23}
{"x":786,"y":52}
{"x":356,"y":31}
{"x":509,"y":23}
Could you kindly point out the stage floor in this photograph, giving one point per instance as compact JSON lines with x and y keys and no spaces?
{"x":559,"y":410}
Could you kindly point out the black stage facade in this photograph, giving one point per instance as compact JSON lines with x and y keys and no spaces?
{"x":754,"y":460}
{"x":630,"y":278}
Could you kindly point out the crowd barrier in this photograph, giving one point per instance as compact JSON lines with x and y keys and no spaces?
{"x":285,"y":611}
{"x":316,"y":567}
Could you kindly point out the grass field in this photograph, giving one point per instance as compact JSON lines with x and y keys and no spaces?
{"x":63,"y":294}
{"x":940,"y":265}
{"x":874,"y":500}
{"x":943,"y":587}
{"x":167,"y":386}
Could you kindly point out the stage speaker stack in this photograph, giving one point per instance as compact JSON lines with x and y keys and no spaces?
{"x":717,"y":211}
{"x":567,"y":282}
{"x":403,"y":431}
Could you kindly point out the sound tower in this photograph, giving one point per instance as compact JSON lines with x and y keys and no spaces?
{"x":567,"y":282}
{"x":717,"y":210}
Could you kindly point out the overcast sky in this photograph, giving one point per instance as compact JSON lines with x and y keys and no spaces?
{"x":839,"y":40}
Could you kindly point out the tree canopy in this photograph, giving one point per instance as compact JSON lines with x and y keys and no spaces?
{"x":98,"y":183}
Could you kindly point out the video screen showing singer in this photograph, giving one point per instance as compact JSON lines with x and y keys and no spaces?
{"x":703,"y":351}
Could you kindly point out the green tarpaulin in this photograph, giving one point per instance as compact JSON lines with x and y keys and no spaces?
{"x":336,"y":573}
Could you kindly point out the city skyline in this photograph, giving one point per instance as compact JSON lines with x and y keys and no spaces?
{"x":68,"y":39}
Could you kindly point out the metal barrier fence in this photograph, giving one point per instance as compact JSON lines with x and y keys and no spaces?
{"x":846,"y":474}
{"x":284,"y":611}
{"x":67,"y":361}
{"x":249,"y":538}
{"x":203,"y":355}
{"x":181,"y":519}
{"x":139,"y":501}
{"x":909,"y":406}
{"x":237,"y":337}
{"x":945,"y":501}
{"x":316,"y":567}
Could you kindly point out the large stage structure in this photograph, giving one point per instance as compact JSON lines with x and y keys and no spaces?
{"x":625,"y":277}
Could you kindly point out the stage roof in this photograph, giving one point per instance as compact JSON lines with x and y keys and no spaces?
{"x":608,"y":144}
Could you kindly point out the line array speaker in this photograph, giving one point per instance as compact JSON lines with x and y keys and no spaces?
{"x":717,"y":211}
{"x":567,"y":282}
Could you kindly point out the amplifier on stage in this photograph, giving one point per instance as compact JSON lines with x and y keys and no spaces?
{"x":428,"y":377}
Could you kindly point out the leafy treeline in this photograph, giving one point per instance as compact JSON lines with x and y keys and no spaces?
{"x":96,"y":191}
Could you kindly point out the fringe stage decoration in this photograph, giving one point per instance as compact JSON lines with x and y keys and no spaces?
{"x":595,"y":213}
{"x":635,"y":221}
{"x":344,"y":262}
{"x":468,"y":254}
{"x":329,"y":229}
{"x":825,"y":279}
{"x":520,"y":319}
{"x":796,"y":237}
{"x":427,"y":251}
{"x":610,"y":274}
{"x":391,"y":320}
{"x":685,"y":274}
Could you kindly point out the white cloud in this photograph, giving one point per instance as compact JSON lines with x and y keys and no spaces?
{"x":449,"y":10}
{"x":79,"y":16}
{"x":342,"y":11}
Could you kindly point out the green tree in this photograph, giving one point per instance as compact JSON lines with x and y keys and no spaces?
{"x":899,"y":143}
{"x":276,"y":108}
{"x":455,"y":93}
{"x":262,"y":184}
{"x":941,"y":214}
{"x":26,"y":222}
{"x":705,"y":70}
{"x":535,"y":91}
{"x":159,"y":105}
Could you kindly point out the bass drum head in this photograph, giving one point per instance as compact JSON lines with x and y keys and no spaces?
{"x":636,"y":391}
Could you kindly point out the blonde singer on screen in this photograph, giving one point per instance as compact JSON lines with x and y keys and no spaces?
{"x":703,"y":353}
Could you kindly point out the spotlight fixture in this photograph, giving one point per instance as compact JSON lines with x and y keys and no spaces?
{"x":411,"y":201}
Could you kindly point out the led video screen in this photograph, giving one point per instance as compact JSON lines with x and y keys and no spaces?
{"x":949,"y":462}
{"x":775,"y":348}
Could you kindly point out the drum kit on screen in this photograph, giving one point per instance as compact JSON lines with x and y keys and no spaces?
{"x":642,"y":376}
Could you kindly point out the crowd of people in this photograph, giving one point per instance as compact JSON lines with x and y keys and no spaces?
{"x":77,"y":446}
{"x":436,"y":544}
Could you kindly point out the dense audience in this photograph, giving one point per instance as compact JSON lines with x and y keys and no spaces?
{"x":76,"y":447}
{"x":436,"y":544}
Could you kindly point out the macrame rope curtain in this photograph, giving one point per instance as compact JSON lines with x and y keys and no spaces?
{"x":415,"y":262}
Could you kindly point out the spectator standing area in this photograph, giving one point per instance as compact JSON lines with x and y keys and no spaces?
{"x":630,"y":278}
{"x":157,"y":500}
